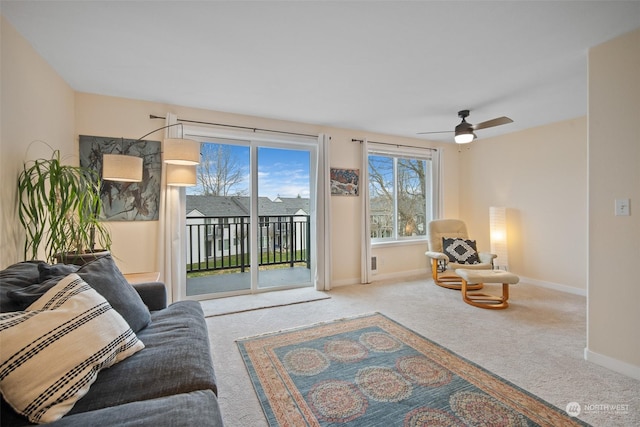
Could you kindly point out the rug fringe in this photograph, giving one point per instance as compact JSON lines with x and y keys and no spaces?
{"x":265,"y":307}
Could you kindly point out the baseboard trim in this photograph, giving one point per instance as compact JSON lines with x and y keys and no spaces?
{"x":376,"y":277}
{"x":344,"y":282}
{"x":554,"y":286}
{"x":616,"y":365}
{"x":409,"y":274}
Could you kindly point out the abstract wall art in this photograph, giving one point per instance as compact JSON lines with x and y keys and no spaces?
{"x":344,"y":182}
{"x":126,"y":201}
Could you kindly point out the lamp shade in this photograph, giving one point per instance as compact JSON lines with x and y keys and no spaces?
{"x":118,"y":167}
{"x":179,"y":151}
{"x":464,"y":137}
{"x":181,"y":175}
{"x":498,"y":236}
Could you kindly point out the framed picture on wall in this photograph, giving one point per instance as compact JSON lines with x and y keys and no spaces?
{"x":126,"y":201}
{"x":344,"y":182}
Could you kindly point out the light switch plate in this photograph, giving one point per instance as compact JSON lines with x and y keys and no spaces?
{"x":622,"y":207}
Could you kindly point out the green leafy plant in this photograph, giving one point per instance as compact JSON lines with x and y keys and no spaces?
{"x":59,"y":208}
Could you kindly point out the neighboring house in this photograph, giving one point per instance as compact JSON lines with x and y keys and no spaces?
{"x":218,"y":228}
{"x":381,"y":219}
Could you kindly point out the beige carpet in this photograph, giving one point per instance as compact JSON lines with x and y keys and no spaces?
{"x":537,"y":343}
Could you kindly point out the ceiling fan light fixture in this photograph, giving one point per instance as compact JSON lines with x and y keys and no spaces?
{"x":464,"y":137}
{"x":464,"y":131}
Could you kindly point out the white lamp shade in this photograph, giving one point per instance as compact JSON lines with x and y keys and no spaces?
{"x":179,"y":151}
{"x":118,"y":167}
{"x":464,"y":138}
{"x":498,"y":236}
{"x":181,"y":175}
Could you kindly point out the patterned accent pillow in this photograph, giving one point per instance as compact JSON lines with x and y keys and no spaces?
{"x":52,"y":352}
{"x":460,"y":251}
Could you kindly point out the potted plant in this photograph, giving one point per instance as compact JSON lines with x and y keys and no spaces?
{"x":59,"y":207}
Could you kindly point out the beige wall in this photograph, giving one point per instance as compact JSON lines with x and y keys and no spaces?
{"x":614,"y":172}
{"x":37,"y":105}
{"x":134,"y":243}
{"x":540,"y":176}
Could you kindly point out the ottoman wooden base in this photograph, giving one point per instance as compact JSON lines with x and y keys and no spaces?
{"x":454,"y":282}
{"x":477,"y":299}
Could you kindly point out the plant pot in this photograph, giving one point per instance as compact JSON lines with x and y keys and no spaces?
{"x":80,"y":258}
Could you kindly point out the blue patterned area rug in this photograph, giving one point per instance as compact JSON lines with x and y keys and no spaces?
{"x":372,"y":371}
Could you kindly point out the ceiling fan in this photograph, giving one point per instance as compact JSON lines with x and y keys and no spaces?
{"x":464,"y":131}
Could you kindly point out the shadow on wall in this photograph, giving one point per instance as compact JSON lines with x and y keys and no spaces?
{"x":515,"y":243}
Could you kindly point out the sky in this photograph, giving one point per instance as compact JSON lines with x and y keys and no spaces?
{"x":281,"y":172}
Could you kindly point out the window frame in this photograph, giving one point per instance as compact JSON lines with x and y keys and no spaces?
{"x":432,"y":196}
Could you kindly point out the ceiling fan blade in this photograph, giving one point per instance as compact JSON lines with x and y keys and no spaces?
{"x":442,"y":131}
{"x":491,"y":123}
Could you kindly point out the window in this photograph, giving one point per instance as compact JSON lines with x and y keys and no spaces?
{"x":400,"y":195}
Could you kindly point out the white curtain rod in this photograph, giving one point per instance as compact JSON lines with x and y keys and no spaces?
{"x":254,"y":129}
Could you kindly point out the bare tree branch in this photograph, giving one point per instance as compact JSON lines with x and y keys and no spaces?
{"x":220,"y":172}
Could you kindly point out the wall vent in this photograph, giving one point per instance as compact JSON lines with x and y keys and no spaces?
{"x":374,"y":263}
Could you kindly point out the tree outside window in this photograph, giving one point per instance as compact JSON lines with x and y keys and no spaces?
{"x":398,"y":196}
{"x":221,"y":171}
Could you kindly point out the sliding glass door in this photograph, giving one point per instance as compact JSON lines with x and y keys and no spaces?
{"x":218,"y":225}
{"x":283,"y":209}
{"x":249,"y":218}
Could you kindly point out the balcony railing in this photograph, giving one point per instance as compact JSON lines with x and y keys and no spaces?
{"x":223,"y":243}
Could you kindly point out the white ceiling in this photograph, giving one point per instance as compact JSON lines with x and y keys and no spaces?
{"x":390,"y":67}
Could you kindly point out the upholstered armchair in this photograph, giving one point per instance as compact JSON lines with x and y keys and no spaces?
{"x":459,"y":252}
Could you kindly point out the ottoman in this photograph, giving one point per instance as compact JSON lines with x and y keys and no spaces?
{"x":472,"y":277}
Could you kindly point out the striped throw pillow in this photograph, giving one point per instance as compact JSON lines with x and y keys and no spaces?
{"x":51,"y":353}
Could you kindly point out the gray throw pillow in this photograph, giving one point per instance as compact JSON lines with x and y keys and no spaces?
{"x":104,"y":276}
{"x":50,"y":271}
{"x":49,"y":276}
{"x":32,"y":287}
{"x":14,"y":279}
{"x":30,"y":294}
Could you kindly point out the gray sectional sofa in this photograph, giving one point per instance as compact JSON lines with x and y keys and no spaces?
{"x":170,"y":382}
